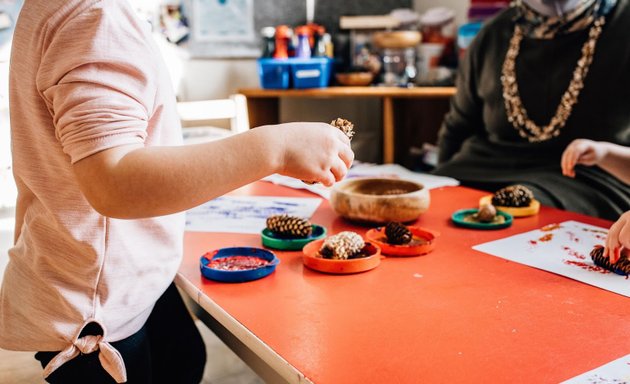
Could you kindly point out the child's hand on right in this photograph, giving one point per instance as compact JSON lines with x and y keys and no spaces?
{"x":582,"y":151}
{"x":618,"y":237}
{"x":314,"y":152}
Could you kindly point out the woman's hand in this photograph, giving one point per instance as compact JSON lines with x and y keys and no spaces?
{"x":618,"y":238}
{"x":582,"y":151}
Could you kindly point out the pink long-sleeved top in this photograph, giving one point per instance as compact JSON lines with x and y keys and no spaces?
{"x":85,"y":76}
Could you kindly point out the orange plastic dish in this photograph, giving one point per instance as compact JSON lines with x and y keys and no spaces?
{"x":312,"y":260}
{"x":530,"y":210}
{"x":423,"y":242}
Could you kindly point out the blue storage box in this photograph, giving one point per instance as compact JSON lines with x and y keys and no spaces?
{"x":274,"y":73}
{"x":315,"y":72}
{"x":311,"y":73}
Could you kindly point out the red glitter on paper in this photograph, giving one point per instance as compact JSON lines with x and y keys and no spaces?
{"x":595,"y":230}
{"x":573,"y":253}
{"x":533,"y":242}
{"x":572,"y":237}
{"x":587,"y":267}
{"x":546,"y":237}
{"x":550,"y":227}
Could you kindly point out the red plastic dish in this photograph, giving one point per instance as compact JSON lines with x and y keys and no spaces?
{"x":422,"y":243}
{"x":312,"y":259}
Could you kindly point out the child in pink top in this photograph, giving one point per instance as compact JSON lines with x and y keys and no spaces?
{"x":102,"y":183}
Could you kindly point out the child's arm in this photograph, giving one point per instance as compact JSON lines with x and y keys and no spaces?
{"x":613,"y":158}
{"x":618,"y":238}
{"x":136,"y":182}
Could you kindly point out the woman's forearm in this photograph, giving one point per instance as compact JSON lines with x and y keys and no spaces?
{"x":617,"y":161}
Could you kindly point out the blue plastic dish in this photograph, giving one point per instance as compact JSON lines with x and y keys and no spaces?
{"x":269,"y":239}
{"x":238,"y":276}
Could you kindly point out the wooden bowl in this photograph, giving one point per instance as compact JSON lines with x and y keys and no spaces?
{"x":355,"y":79}
{"x":379,"y":200}
{"x":397,"y":39}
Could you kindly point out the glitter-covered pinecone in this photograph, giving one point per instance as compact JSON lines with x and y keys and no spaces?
{"x":289,"y":226}
{"x":342,"y":246}
{"x":513,"y":196}
{"x":397,"y":233}
{"x":344,"y":125}
{"x":622,"y":266}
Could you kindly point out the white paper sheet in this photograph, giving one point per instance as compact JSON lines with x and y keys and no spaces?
{"x":563,"y":249}
{"x":617,"y":371}
{"x":246,"y":214}
{"x":368,"y":170}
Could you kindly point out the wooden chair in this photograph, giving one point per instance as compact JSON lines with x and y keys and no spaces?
{"x":197,"y":118}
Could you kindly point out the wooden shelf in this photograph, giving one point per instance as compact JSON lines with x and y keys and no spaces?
{"x":263,"y":107}
{"x":417,"y":92}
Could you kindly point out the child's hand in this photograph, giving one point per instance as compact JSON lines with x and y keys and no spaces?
{"x":618,"y":237}
{"x":314,"y":152}
{"x":581,"y":151}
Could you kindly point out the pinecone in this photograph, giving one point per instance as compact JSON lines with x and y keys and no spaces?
{"x":342,"y":246}
{"x":622,"y":266}
{"x":289,"y":226}
{"x":513,"y":196}
{"x":397,"y":233}
{"x":346,"y":126}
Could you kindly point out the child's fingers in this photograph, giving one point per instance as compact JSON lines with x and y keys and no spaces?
{"x":624,"y":234}
{"x":612,"y":242}
{"x":339,"y":169}
{"x":346,"y":155}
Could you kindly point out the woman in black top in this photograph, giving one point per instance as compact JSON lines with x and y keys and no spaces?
{"x":539,"y":75}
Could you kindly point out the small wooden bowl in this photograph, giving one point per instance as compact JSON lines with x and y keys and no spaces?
{"x":372,"y":200}
{"x":355,"y":79}
{"x":313,"y":260}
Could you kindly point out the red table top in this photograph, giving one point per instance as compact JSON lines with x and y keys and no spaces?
{"x":454,"y":315}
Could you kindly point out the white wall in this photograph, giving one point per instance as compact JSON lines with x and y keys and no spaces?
{"x":211,"y":79}
{"x":216,"y":79}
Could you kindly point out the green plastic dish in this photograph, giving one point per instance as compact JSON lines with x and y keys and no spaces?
{"x":272,"y":241}
{"x":459,"y":220}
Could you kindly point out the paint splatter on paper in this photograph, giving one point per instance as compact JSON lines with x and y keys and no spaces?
{"x":615,"y":372}
{"x":246,"y":214}
{"x":563,"y":249}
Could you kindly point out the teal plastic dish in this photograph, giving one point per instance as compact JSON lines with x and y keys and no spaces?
{"x":272,"y":241}
{"x":459,"y":219}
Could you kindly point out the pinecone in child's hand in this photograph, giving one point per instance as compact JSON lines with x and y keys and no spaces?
{"x":342,"y":246}
{"x":397,"y":233}
{"x":513,"y":196}
{"x":345,"y":126}
{"x":622,"y":266}
{"x":289,"y":226}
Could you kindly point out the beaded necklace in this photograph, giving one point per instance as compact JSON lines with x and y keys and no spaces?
{"x":516,"y":112}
